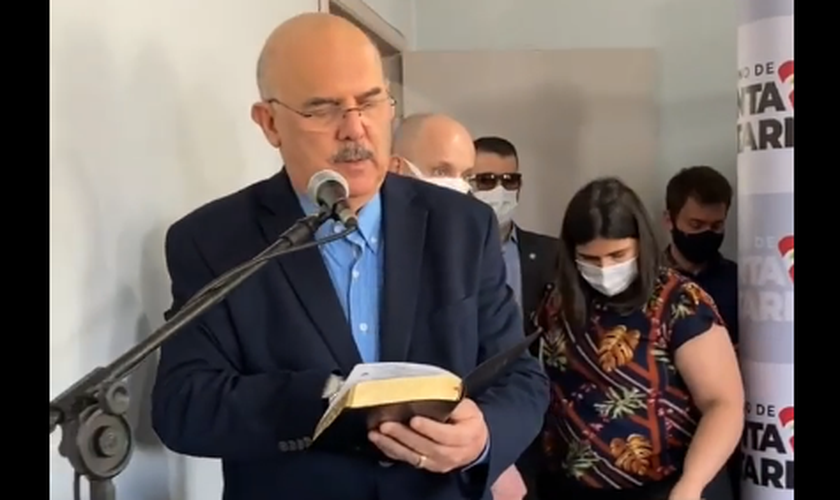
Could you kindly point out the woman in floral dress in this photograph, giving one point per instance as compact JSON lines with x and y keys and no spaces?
{"x":646,"y":395}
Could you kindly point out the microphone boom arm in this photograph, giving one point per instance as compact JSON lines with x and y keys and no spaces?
{"x":96,"y":436}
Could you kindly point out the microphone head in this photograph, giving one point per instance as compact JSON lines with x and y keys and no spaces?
{"x":323,"y":177}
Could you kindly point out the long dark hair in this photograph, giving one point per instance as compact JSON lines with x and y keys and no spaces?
{"x":604,"y":208}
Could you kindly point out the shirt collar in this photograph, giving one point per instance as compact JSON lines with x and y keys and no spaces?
{"x":370,"y":221}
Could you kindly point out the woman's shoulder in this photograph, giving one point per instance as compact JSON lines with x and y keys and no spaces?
{"x":673,"y":287}
{"x":672,"y":283}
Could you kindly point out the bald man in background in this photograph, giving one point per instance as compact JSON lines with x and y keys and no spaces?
{"x":248,"y":381}
{"x":434,"y":148}
{"x":438,"y":149}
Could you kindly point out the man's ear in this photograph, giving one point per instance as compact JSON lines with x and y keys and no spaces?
{"x":666,"y":220}
{"x":261,"y":115}
{"x":395,"y":165}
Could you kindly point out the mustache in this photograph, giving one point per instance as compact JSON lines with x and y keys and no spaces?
{"x":352,"y":153}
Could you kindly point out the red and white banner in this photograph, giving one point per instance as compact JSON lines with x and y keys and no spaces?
{"x":765,"y":244}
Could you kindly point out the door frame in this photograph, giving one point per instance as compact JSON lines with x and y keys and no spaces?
{"x":390,"y":41}
{"x":389,"y":37}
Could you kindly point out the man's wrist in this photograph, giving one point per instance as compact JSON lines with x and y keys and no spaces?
{"x":482,"y":457}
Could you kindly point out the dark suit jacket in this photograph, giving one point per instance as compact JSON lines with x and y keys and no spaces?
{"x":538,"y":264}
{"x":244,"y":382}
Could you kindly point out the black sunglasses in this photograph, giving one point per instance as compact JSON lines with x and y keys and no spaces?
{"x":488,"y":181}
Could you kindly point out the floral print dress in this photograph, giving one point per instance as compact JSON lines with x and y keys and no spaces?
{"x":620,"y":415}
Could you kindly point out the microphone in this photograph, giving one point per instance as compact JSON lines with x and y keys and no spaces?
{"x":329,"y":190}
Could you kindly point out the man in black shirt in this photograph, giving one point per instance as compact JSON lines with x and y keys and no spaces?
{"x":697,"y":201}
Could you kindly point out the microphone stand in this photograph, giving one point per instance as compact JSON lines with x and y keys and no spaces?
{"x":96,"y":437}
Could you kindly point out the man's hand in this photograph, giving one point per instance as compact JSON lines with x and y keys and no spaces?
{"x":438,"y":447}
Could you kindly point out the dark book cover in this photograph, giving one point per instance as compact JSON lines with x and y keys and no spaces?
{"x":349,"y":431}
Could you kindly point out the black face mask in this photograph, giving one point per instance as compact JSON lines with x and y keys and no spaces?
{"x":698,"y":248}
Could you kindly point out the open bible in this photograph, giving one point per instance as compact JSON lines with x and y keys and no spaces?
{"x":395,"y":391}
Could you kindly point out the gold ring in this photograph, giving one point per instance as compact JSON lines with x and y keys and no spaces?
{"x":420,"y":461}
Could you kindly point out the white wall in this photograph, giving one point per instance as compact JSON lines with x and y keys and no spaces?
{"x":149,"y":118}
{"x":695,"y":39}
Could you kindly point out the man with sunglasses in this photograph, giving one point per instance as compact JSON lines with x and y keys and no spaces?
{"x":529,"y":257}
{"x":421,"y":279}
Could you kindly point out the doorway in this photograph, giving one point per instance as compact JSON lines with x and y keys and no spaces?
{"x":390,"y":42}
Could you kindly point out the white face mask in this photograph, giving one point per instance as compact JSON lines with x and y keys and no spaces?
{"x":501,"y":200}
{"x":610,"y":280}
{"x":456,"y":183}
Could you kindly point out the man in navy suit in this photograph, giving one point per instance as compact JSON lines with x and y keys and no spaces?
{"x":421,"y":280}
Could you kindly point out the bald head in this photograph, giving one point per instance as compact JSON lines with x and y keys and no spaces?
{"x":437,"y":144}
{"x":324,"y":103}
{"x":301,"y":40}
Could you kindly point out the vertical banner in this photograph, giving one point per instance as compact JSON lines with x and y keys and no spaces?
{"x":765,"y":244}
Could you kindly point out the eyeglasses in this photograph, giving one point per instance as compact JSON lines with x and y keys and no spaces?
{"x":487,"y":181}
{"x":328,"y":116}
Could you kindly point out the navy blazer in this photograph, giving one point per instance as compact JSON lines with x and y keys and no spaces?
{"x":244,"y":382}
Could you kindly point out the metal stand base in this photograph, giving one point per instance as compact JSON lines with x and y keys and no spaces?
{"x":98,"y":445}
{"x":102,"y":490}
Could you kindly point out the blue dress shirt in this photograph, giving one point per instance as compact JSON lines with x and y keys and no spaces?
{"x":355,"y":265}
{"x":513,"y":266}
